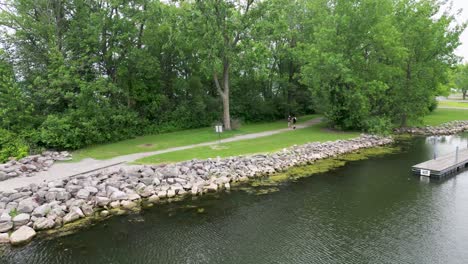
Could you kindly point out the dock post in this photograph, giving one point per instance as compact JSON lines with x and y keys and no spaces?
{"x":456,"y":155}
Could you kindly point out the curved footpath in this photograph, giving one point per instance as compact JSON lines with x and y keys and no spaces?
{"x":69,"y":169}
{"x":56,"y":203}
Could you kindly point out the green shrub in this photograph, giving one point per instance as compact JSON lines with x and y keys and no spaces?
{"x":11,"y":145}
{"x":379,"y":125}
{"x":433,"y":105}
{"x":77,"y":129}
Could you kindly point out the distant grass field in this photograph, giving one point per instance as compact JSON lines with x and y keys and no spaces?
{"x":175,"y":139}
{"x":260,"y":145}
{"x":443,"y":115}
{"x":453,"y":104}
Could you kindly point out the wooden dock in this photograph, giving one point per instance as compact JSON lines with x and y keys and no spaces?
{"x":442,"y":166}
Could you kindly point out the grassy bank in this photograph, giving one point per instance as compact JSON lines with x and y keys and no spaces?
{"x":453,"y":104}
{"x":316,"y":133}
{"x":175,"y":139}
{"x":443,"y":115}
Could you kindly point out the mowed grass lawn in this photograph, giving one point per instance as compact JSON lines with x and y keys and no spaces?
{"x":453,"y":104}
{"x":443,"y":115}
{"x":175,"y":139}
{"x":260,"y":145}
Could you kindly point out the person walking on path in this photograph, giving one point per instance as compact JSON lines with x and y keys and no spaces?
{"x":289,"y":121}
{"x":294,"y":120}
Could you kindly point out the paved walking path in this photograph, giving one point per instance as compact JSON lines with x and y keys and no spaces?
{"x":452,"y":107}
{"x":69,"y":169}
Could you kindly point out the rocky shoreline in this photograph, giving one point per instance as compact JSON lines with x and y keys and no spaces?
{"x":449,"y":128}
{"x":28,"y":166}
{"x":56,"y":203}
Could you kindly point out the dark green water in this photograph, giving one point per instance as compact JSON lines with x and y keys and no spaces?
{"x":371,"y":211}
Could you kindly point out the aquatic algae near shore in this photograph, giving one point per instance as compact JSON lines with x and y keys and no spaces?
{"x":266,"y":184}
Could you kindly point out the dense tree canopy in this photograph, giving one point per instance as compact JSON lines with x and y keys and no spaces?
{"x":80,"y":72}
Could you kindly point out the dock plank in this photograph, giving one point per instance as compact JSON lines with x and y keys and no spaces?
{"x":443,"y":164}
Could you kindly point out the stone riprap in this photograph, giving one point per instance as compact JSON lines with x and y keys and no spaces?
{"x":450,"y":128}
{"x":56,"y":203}
{"x":28,"y":166}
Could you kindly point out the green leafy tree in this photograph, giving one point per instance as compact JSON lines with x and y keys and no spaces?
{"x":461,"y":79}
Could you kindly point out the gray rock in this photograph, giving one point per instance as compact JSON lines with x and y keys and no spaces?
{"x":5,"y":217}
{"x":18,"y":195}
{"x":130,"y":171}
{"x":147,"y":191}
{"x":171,"y":193}
{"x":162,"y":194}
{"x":63,"y":196}
{"x":133,"y":196}
{"x":43,"y":223}
{"x":21,"y":219}
{"x":6,"y":226}
{"x":91,"y":189}
{"x":102,"y":201}
{"x":73,"y":188}
{"x":3,"y":176}
{"x":147,"y":173}
{"x":42,"y":210}
{"x":50,"y":196}
{"x":74,"y":214}
{"x":128,"y":204}
{"x":83,"y":194}
{"x":156,"y":182}
{"x":87,"y":210}
{"x":23,"y":235}
{"x":118,"y":195}
{"x":114,"y":204}
{"x":27,"y":205}
{"x":154,"y":198}
{"x":104,"y":213}
{"x":4,"y":238}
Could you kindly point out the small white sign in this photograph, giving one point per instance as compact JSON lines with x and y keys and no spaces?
{"x":219,"y":129}
{"x":425,"y":172}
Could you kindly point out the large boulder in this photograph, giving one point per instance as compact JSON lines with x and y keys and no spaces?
{"x":70,"y":217}
{"x":42,"y":210}
{"x":27,"y":205}
{"x":21,"y":219}
{"x":23,"y":235}
{"x":43,"y":223}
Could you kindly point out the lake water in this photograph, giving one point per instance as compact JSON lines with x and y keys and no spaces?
{"x":368,"y":211}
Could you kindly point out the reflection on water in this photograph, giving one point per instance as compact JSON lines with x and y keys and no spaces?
{"x":369,"y":211}
{"x":444,"y":145}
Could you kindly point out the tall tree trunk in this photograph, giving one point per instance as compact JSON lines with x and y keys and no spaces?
{"x":464,"y":94}
{"x":224,"y":93}
{"x":226,"y":110}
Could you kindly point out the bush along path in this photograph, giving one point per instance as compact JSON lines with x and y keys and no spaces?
{"x":54,"y":204}
{"x":65,"y":170}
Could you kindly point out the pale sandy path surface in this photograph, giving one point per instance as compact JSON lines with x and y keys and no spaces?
{"x":450,"y":107}
{"x":69,"y":169}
